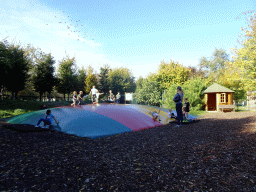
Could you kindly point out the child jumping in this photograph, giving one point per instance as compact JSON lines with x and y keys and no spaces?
{"x":47,"y":120}
{"x":74,"y":98}
{"x":98,"y":96}
{"x":80,"y":98}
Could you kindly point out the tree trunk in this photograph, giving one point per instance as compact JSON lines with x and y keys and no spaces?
{"x":2,"y":88}
{"x":68,"y":96}
{"x":40,"y":96}
{"x":49,"y":96}
{"x":13,"y":95}
{"x":64,"y":97}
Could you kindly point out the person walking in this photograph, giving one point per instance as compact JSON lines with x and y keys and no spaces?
{"x":178,"y":100}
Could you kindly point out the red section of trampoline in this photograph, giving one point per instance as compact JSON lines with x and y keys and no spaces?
{"x":129,"y":117}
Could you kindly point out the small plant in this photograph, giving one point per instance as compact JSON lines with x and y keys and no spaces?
{"x":19,"y":111}
{"x":5,"y":114}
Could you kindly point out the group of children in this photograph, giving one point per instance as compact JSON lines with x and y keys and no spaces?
{"x":95,"y":94}
{"x":185,"y":111}
{"x":78,"y":98}
{"x":112,"y":98}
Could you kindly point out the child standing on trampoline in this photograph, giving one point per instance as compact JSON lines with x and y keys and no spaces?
{"x":47,"y":120}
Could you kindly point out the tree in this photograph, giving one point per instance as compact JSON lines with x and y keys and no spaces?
{"x":139,"y":83}
{"x":91,"y":79}
{"x":81,"y":86}
{"x":195,"y":73}
{"x":245,"y":57}
{"x":43,"y":78}
{"x":103,"y":81}
{"x":121,"y":80}
{"x":214,"y":65}
{"x":231,"y":79}
{"x":170,"y":73}
{"x":67,"y":72}
{"x":148,"y":92}
{"x":193,"y":90}
{"x":3,"y":63}
{"x":18,"y":67}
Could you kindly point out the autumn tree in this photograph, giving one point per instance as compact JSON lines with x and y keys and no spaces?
{"x":195,"y":72}
{"x":231,"y":79}
{"x":170,"y":73}
{"x":91,"y":79}
{"x":245,"y":57}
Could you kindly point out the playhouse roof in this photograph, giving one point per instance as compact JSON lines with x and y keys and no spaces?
{"x":216,"y":88}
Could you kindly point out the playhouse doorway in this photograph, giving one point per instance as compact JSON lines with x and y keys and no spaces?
{"x":211,"y":102}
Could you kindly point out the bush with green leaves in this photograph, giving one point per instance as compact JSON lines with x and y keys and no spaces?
{"x":19,"y":111}
{"x":193,"y":90}
{"x":148,"y":92}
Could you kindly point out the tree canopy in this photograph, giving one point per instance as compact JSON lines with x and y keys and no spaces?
{"x":66,"y":74}
{"x":43,"y":78}
{"x":17,"y":69}
{"x":121,"y":80}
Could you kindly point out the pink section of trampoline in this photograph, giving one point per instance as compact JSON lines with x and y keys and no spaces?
{"x":129,"y":117}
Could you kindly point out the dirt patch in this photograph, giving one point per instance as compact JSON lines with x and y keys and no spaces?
{"x":215,"y":154}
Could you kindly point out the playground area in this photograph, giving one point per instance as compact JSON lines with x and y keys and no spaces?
{"x":101,"y":120}
{"x":215,"y":154}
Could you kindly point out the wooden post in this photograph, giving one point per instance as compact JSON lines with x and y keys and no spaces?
{"x":206,"y":103}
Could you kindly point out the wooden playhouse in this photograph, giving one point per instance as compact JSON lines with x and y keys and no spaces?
{"x":219,"y":98}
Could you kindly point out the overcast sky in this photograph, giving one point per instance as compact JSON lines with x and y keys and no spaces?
{"x":136,"y":34}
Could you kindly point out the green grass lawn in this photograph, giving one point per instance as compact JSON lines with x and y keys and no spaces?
{"x":241,"y":109}
{"x":197,"y":113}
{"x":9,"y":108}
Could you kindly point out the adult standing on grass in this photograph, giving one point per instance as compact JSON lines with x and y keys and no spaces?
{"x":178,"y":100}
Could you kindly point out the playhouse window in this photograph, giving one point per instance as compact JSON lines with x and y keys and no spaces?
{"x":223,"y":97}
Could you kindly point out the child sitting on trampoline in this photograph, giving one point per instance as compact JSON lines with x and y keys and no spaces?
{"x":47,"y":120}
{"x":171,"y":115}
{"x":155,"y":115}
